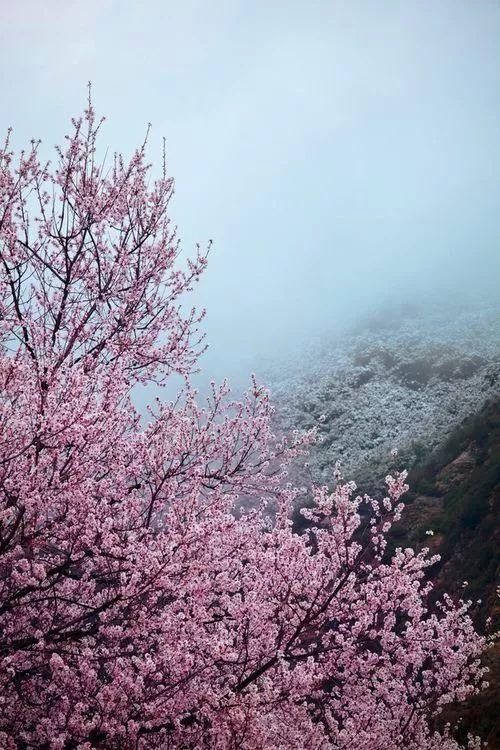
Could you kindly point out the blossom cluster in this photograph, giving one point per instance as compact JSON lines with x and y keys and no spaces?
{"x":153,"y":591}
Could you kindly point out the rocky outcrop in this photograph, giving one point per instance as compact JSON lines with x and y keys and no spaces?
{"x":457,"y":471}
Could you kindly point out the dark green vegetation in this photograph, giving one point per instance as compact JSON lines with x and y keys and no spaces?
{"x":455,"y":492}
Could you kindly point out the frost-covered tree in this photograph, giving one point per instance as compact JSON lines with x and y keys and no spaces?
{"x":153,"y":593}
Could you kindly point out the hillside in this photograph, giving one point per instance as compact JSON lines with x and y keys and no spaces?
{"x":402,"y":382}
{"x":429,"y":386}
{"x":456,"y":495}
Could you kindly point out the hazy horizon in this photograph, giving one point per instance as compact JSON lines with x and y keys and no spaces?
{"x":342,"y":156}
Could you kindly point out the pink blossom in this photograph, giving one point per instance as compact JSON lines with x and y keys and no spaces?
{"x":153,"y":592}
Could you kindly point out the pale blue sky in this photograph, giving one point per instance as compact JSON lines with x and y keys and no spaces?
{"x":339,"y":153}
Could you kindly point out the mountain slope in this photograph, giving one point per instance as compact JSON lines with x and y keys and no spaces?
{"x":455,"y":494}
{"x":404,"y":385}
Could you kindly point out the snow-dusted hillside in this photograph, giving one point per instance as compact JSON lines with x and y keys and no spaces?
{"x":391,"y":384}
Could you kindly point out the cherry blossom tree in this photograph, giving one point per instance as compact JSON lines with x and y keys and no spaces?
{"x":153,"y":591}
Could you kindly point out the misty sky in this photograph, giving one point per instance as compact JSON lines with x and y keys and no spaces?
{"x":339,"y":154}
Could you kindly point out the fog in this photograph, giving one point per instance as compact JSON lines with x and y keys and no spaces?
{"x":343,"y":156}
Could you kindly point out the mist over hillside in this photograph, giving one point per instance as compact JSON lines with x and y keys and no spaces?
{"x":396,"y":381}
